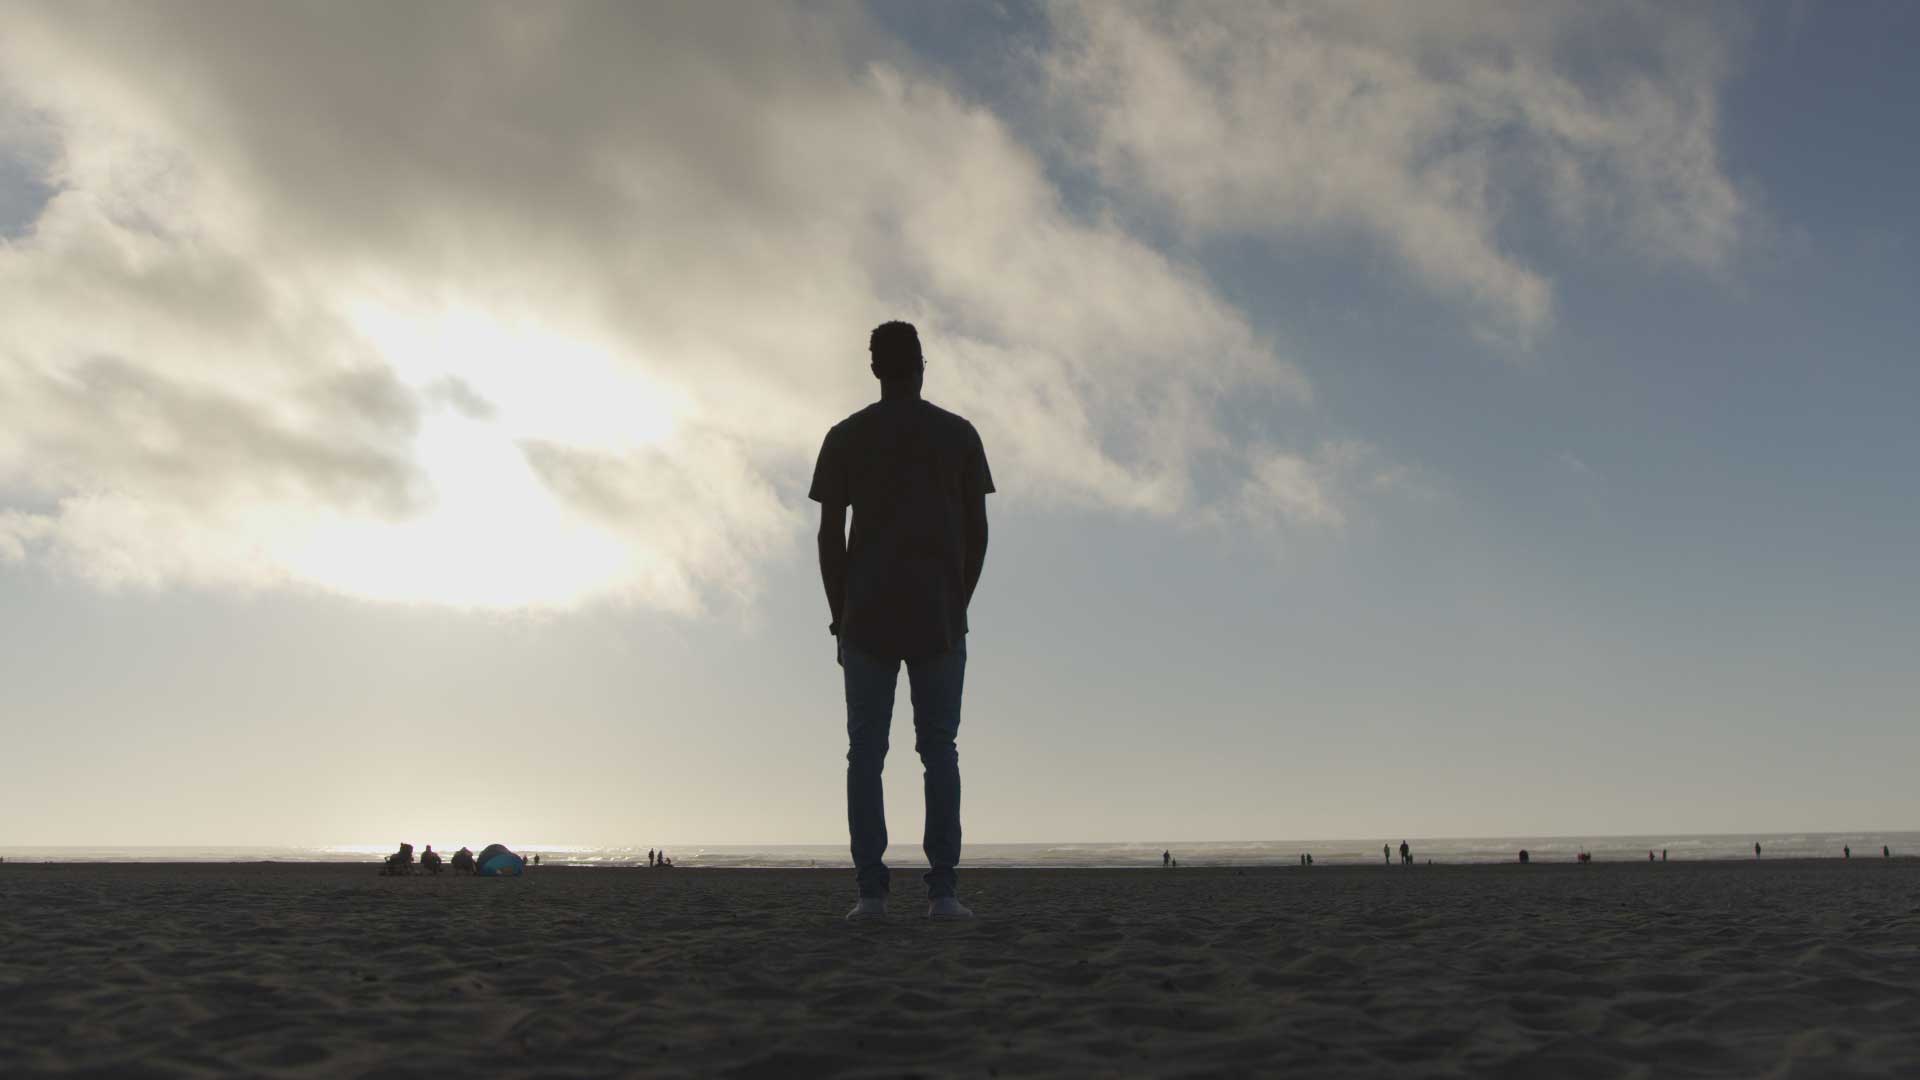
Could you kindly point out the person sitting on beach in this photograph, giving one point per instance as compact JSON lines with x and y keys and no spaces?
{"x":430,"y":860}
{"x":916,"y":478}
{"x":463,"y":861}
{"x":1524,"y":857}
{"x":400,"y":862}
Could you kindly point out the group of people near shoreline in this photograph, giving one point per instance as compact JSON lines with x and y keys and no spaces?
{"x":464,"y":861}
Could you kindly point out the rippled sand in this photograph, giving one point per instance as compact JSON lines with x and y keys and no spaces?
{"x":1739,"y":969}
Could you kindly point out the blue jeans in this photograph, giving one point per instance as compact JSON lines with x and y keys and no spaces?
{"x":935,"y":683}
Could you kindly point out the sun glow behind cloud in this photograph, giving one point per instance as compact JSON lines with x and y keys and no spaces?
{"x":493,"y":533}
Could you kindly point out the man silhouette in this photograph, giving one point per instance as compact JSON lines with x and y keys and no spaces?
{"x":916,"y":477}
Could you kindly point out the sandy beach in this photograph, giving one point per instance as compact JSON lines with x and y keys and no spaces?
{"x":1805,"y":968}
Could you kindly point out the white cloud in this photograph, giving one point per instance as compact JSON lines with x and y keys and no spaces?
{"x":1427,"y":127}
{"x":530,"y":306}
{"x":522,"y":307}
{"x":1285,"y":490}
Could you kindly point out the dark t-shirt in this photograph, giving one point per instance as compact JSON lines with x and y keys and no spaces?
{"x":910,"y":470}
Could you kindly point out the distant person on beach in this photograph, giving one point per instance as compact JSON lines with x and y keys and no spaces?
{"x":1756,"y":849}
{"x":898,"y":588}
{"x":1663,"y":854}
{"x":400,"y":862}
{"x":430,"y":860}
{"x":1524,"y":857}
{"x":1309,"y":858}
{"x":1649,"y":854}
{"x":463,"y":861}
{"x":649,"y":858}
{"x":1387,"y":854}
{"x":1406,"y":854}
{"x":1885,"y":852}
{"x":536,"y":859}
{"x":1846,"y":852}
{"x":1166,"y":857}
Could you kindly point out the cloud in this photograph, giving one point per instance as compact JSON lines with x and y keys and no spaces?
{"x":536,"y":306}
{"x":1430,"y":130}
{"x":526,"y":306}
{"x":1288,"y":491}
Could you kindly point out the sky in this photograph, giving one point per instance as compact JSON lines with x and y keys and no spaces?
{"x":1457,"y":419}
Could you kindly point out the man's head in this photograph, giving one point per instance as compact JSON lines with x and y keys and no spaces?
{"x":895,"y":347}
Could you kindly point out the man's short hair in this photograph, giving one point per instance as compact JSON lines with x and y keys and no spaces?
{"x":896,"y":350}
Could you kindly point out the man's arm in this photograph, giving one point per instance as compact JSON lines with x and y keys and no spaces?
{"x":833,"y":556}
{"x":976,"y":541}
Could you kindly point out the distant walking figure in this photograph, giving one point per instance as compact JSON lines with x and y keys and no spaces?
{"x":1649,"y":854}
{"x":649,"y":858}
{"x":1387,"y":854}
{"x":1166,"y":857}
{"x":1847,"y":852}
{"x":1885,"y":853}
{"x":1406,"y":854}
{"x":1663,"y":854}
{"x":1756,"y":849}
{"x":916,"y":477}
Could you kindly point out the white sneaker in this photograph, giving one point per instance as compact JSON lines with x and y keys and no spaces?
{"x":869,"y":907}
{"x":946,"y":907}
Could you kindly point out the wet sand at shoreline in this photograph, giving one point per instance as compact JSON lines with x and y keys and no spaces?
{"x":1615,"y":969}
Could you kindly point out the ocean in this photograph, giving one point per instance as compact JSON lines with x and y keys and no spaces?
{"x":1452,"y":850}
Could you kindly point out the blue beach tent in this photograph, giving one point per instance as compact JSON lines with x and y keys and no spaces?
{"x":496,"y":861}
